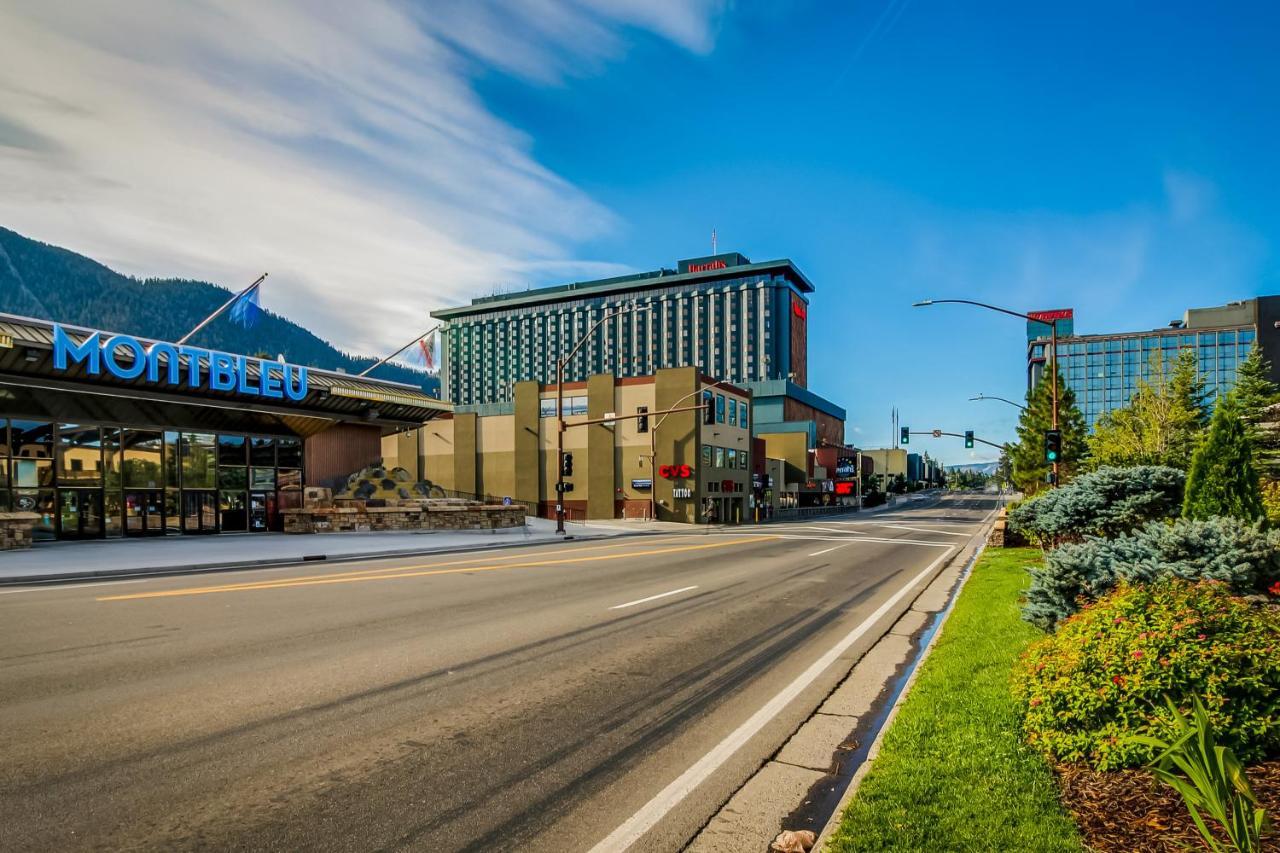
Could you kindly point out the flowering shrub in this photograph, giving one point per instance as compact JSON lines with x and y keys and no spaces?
{"x":1221,"y":549}
{"x":1104,"y":675}
{"x":1105,"y":502}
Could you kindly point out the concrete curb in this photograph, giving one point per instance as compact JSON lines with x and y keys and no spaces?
{"x":725,"y":829}
{"x":874,"y":750}
{"x":243,"y":565}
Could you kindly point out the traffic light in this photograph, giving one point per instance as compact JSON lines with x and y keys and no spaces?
{"x":708,"y":408}
{"x":566,"y":467}
{"x":905,"y":438}
{"x":1052,"y":445}
{"x":642,"y":422}
{"x":968,"y":438}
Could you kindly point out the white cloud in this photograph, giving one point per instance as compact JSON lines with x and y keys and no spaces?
{"x":339,"y":146}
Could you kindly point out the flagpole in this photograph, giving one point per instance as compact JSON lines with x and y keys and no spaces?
{"x":207,"y":320}
{"x":366,"y":371}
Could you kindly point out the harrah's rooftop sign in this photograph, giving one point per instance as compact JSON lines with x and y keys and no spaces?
{"x":125,"y":357}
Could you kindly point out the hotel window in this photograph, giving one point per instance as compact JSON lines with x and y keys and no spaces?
{"x":733,"y":412}
{"x":732,"y":458}
{"x":742,"y":459}
{"x":719,"y":407}
{"x":742,"y":416}
{"x":719,"y":463}
{"x":706,"y":456}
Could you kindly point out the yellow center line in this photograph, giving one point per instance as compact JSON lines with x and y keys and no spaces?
{"x":409,"y":572}
{"x":432,"y":565}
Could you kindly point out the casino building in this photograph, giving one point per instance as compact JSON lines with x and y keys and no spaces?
{"x":105,"y":435}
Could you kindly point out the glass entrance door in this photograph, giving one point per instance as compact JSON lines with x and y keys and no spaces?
{"x":80,"y":513}
{"x":199,"y":511}
{"x":262,"y":511}
{"x":144,"y":513}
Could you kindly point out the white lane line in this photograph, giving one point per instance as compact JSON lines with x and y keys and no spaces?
{"x":827,"y":550}
{"x":850,"y":539}
{"x":634,"y":828}
{"x":653,"y":597}
{"x":54,"y":587}
{"x":922,"y":529}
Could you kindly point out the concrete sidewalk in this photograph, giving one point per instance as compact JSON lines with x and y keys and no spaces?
{"x":68,"y":561}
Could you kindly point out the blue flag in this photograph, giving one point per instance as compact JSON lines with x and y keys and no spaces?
{"x":246,"y":309}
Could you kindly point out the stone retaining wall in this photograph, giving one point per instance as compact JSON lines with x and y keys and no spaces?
{"x":15,"y":529}
{"x":442,"y":516}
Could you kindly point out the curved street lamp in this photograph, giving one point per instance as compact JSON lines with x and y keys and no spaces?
{"x":1001,"y":399}
{"x":1053,"y":345}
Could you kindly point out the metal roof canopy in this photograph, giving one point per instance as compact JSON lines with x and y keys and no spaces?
{"x":331,"y":396}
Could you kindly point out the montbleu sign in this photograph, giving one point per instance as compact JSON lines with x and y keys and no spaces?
{"x":125,"y":357}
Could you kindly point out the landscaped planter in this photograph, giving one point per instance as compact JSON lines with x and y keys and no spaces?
{"x":15,"y":529}
{"x":349,"y":516}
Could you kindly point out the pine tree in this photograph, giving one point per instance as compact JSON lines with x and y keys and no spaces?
{"x":1222,"y":481}
{"x":1030,"y":470}
{"x":1259,"y":400}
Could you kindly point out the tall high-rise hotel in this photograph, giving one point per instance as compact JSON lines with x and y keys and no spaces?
{"x":738,"y":321}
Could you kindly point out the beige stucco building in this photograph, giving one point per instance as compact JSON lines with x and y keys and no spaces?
{"x":702,"y":471}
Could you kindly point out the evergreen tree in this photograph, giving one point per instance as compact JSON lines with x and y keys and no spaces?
{"x":1163,"y":422}
{"x":1259,"y":401}
{"x":1030,"y":471}
{"x":1222,"y":481}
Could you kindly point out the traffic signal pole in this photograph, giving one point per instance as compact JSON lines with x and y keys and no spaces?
{"x":937,"y":433}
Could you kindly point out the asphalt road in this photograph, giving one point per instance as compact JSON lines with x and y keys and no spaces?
{"x":527,"y":699}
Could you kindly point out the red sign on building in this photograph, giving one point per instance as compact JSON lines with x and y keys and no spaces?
{"x":1056,"y":314}
{"x":712,"y":265}
{"x":674,"y":472}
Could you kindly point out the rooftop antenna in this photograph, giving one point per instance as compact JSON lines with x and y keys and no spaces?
{"x":713,"y":241}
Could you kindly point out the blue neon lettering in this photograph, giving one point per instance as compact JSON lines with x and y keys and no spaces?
{"x":226,"y":372}
{"x":194,"y":355}
{"x":222,"y":376}
{"x":295,"y":393}
{"x":88,"y":352}
{"x":271,"y":386}
{"x":173,"y":366}
{"x":134,"y":370}
{"x":242,"y":376}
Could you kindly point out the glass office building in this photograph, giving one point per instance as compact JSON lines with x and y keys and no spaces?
{"x":1104,"y":370}
{"x":742,"y":321}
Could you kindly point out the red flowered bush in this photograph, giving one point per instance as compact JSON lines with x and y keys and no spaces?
{"x":1103,"y":675}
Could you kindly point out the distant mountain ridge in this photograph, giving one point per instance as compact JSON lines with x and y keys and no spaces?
{"x":988,"y":468}
{"x":50,"y":283}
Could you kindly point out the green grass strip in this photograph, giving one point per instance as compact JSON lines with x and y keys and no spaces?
{"x":953,"y":772}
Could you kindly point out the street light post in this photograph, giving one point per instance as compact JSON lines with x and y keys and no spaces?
{"x":1053,"y":346}
{"x":1001,"y":399}
{"x":560,"y":425}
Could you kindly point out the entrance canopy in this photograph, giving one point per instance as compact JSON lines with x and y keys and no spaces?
{"x":72,"y":373}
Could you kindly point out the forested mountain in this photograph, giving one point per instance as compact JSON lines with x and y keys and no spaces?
{"x":49,"y":283}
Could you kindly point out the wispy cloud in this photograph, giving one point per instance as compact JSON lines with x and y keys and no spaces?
{"x":340,"y":146}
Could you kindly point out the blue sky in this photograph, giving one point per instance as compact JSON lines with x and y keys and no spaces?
{"x":1114,"y":158}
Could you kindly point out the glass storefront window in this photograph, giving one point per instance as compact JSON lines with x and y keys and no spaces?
{"x":42,"y":504}
{"x":232,"y":512}
{"x":31,"y":439}
{"x":198,"y":454}
{"x":289,"y":479}
{"x":289,"y":452}
{"x":262,"y":451}
{"x":143,"y":468}
{"x":111,"y":457}
{"x":233,"y":478}
{"x":262,"y":478}
{"x":231,"y":450}
{"x":79,"y":455}
{"x":171,"y":465}
{"x":32,"y":473}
